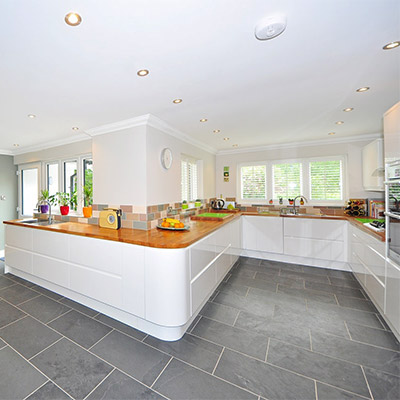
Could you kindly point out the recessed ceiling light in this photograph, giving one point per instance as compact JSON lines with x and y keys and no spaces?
{"x":75,"y":128}
{"x":73,"y":19}
{"x":235,"y":145}
{"x":217,"y":130}
{"x":226,"y":138}
{"x":143,"y":72}
{"x":331,"y":133}
{"x":362,"y":89}
{"x":177,"y":101}
{"x":203,"y":120}
{"x":391,"y":45}
{"x":339,"y":122}
{"x":16,"y":145}
{"x":31,"y":116}
{"x":348,"y":109}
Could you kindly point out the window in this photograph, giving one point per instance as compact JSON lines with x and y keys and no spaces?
{"x":253,"y":182}
{"x":71,"y":181}
{"x":326,"y":180}
{"x":52,"y":178}
{"x":321,"y":180}
{"x":28,"y":181}
{"x":189,"y":179}
{"x":286,"y":180}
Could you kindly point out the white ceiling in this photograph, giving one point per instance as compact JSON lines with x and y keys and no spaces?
{"x":290,"y":88}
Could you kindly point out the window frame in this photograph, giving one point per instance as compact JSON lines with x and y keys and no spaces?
{"x":305,"y":180}
{"x":21,"y":167}
{"x":199,"y":175}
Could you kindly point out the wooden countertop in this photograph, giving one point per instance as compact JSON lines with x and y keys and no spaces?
{"x":170,"y":240}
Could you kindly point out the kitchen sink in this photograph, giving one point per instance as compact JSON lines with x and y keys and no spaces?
{"x":39,"y":222}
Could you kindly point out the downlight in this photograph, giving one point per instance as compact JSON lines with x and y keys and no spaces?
{"x":270,"y":27}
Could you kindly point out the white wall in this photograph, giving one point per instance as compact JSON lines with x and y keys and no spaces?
{"x":164,"y":186}
{"x":119,"y":167}
{"x":352,"y":150}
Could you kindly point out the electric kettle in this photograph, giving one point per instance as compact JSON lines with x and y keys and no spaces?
{"x":217,"y":204}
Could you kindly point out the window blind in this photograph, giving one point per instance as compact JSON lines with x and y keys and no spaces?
{"x":286,"y":180}
{"x":253,"y":182}
{"x":188,"y":180}
{"x":326,"y":180}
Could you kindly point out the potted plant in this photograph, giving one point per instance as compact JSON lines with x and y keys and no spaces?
{"x":197,"y":203}
{"x":88,"y":200}
{"x":64,"y":201}
{"x":184,"y":205}
{"x":44,"y":196}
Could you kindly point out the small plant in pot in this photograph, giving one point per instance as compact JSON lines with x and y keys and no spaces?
{"x":88,"y":200}
{"x":64,"y":201}
{"x":197,"y":203}
{"x":184,"y":205}
{"x":44,"y":196}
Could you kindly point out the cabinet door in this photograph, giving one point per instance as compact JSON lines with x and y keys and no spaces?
{"x":201,"y":254}
{"x":263,"y":233}
{"x":392,"y":309}
{"x":373,"y":167}
{"x":315,"y":228}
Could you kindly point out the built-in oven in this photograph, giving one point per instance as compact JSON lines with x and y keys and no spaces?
{"x":392,"y":194}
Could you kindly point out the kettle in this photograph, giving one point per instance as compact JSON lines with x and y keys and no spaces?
{"x":217,"y":204}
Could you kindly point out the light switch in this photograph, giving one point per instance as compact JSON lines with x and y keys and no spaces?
{"x":2,"y":197}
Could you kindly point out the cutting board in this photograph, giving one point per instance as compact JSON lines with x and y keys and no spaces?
{"x":211,"y":216}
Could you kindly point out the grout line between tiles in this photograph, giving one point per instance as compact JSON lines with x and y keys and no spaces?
{"x":309,"y":332}
{"x":236,"y":318}
{"x":266,"y":353}
{"x":194,"y":326}
{"x":166,"y":365}
{"x":13,"y":322}
{"x":31,"y":393}
{"x":25,"y":301}
{"x":347,"y":329}
{"x":366,"y":381}
{"x":316,"y":389}
{"x":41,"y":351}
{"x":336,"y":299}
{"x":61,"y":315}
{"x":219,"y":358}
{"x":99,"y":383}
{"x":144,"y":338}
{"x":94,"y":344}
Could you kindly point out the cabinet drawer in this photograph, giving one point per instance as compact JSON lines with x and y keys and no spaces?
{"x":51,"y":270}
{"x":19,"y":259}
{"x":315,"y":229}
{"x":201,"y":255}
{"x":315,"y":248}
{"x":375,"y":289}
{"x":20,"y":237}
{"x":223,"y":264}
{"x":358,"y":268}
{"x":203,"y":286}
{"x":393,"y":296}
{"x":51,"y":244}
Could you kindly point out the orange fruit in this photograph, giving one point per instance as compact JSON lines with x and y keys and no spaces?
{"x":165,"y":224}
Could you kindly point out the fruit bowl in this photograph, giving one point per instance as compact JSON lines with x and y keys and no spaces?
{"x":186,"y":227}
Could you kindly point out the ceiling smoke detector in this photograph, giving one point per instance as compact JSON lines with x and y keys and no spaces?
{"x":270,"y":27}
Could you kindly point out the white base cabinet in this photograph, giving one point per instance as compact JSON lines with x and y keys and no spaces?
{"x":159,"y":291}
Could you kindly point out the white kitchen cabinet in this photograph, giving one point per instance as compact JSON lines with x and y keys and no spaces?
{"x":373,"y":166}
{"x":201,"y":254}
{"x":392,"y":301}
{"x":391,"y":132}
{"x":51,"y":269}
{"x":315,"y":239}
{"x":19,"y":259}
{"x":262,"y":233}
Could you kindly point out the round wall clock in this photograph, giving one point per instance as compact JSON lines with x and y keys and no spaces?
{"x":166,"y":158}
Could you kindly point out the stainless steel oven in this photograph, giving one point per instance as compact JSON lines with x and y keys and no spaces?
{"x":392,"y":194}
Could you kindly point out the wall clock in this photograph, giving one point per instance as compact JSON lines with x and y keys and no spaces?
{"x":166,"y":158}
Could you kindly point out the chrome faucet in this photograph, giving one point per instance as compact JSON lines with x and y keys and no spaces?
{"x":294,"y":203}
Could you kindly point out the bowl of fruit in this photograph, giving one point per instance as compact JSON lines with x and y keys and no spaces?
{"x":172,"y":224}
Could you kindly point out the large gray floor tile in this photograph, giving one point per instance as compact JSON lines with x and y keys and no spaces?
{"x":312,"y":270}
{"x":342,"y":313}
{"x":79,"y":307}
{"x":232,"y":288}
{"x":263,"y":379}
{"x":326,"y":392}
{"x":72,"y":368}
{"x":17,"y":294}
{"x":350,"y":292}
{"x":128,"y":330}
{"x":28,"y":336}
{"x":260,"y":306}
{"x":358,"y":304}
{"x":49,"y":391}
{"x":340,"y":274}
{"x":44,"y":309}
{"x":308,"y":294}
{"x":5,"y":282}
{"x":383,"y":386}
{"x":270,"y":264}
{"x":359,"y":353}
{"x":193,"y":350}
{"x":297,"y":283}
{"x":80,"y":328}
{"x":249,"y":260}
{"x":254,"y":283}
{"x":2,"y":344}
{"x":278,"y":328}
{"x":181,"y":381}
{"x":131,"y":356}
{"x":377,"y":337}
{"x":317,"y":366}
{"x":251,"y":343}
{"x":9,"y":313}
{"x":220,"y":313}
{"x":22,"y":281}
{"x":17,"y":377}
{"x":243,"y":272}
{"x":118,"y":386}
{"x":256,"y":268}
{"x":351,"y":283}
{"x":48,"y":293}
{"x":304,"y":275}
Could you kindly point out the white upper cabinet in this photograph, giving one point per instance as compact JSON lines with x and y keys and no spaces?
{"x":373,"y":166}
{"x":391,"y":130}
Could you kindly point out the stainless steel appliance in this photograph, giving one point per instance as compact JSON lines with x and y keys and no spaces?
{"x":392,"y":213}
{"x":217,"y":204}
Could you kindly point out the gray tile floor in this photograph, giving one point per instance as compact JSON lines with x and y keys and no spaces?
{"x":270,"y":331}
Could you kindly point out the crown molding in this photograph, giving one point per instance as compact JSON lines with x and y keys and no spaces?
{"x":48,"y":145}
{"x":119,"y":126}
{"x":4,"y":152}
{"x":348,"y":139}
{"x":161,"y":125}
